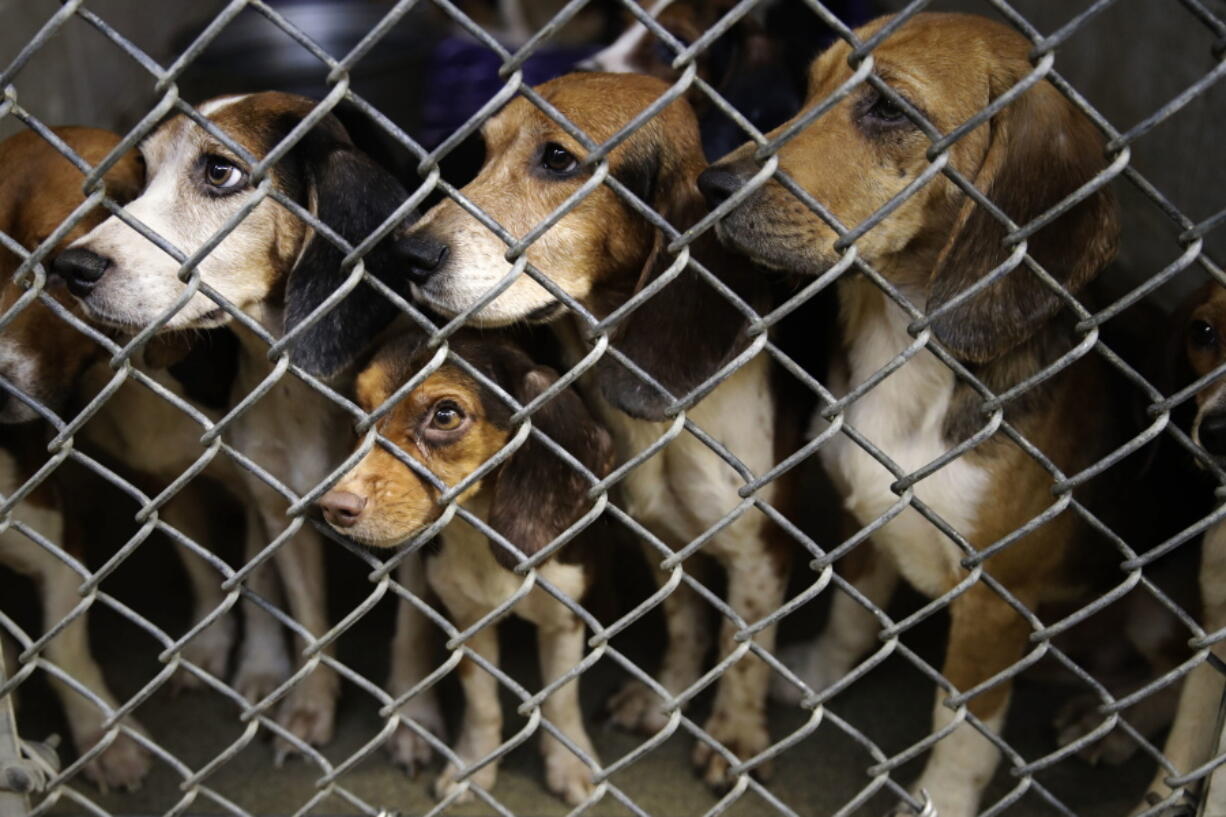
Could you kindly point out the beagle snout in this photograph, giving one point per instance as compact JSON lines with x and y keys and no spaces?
{"x":342,"y":509}
{"x":424,"y":253}
{"x":718,"y":183}
{"x":81,"y":269}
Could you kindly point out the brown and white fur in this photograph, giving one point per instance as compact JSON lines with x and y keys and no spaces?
{"x":1199,"y":347}
{"x":600,"y":253}
{"x":42,"y":357}
{"x":452,"y":425}
{"x":1027,"y":158}
{"x":277,"y":271}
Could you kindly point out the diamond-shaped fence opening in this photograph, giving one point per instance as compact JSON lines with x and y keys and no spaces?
{"x":762,"y":407}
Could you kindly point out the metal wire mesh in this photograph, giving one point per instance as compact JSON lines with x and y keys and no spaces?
{"x":196,"y":781}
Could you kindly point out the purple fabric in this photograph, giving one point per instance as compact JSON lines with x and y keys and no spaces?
{"x":463,"y":75}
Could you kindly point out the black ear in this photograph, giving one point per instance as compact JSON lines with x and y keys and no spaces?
{"x":537,"y":495}
{"x":758,"y":83}
{"x":1042,"y":149}
{"x":682,"y":334}
{"x":353,"y":196}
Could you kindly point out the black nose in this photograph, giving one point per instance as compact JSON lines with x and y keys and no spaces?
{"x":1213,"y":433}
{"x":81,"y":269}
{"x":718,"y":184}
{"x":424,"y":255}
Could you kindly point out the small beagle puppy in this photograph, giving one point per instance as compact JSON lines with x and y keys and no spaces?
{"x":451,"y":425}
{"x":1199,"y":348}
{"x":933,"y":247}
{"x":277,"y":271}
{"x":601,"y":253}
{"x":41,"y":358}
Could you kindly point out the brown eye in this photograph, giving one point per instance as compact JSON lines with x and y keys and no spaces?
{"x":884,"y":111}
{"x":1202,"y":334}
{"x":557,"y":159}
{"x":447,"y":416}
{"x":221,"y":173}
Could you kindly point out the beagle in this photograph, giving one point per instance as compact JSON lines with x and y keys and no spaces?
{"x":41,"y":357}
{"x":746,"y":66}
{"x":933,"y":247}
{"x":600,"y":253}
{"x":1199,"y":348}
{"x":452,"y":425}
{"x":276,"y":271}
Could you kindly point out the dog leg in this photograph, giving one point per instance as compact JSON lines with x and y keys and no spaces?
{"x":986,"y":636}
{"x":481,"y":729}
{"x":757,"y":580}
{"x":1193,"y":735}
{"x":636,"y":707}
{"x":210,"y":649}
{"x":412,"y":660}
{"x":850,"y":631}
{"x":561,"y":648}
{"x":310,"y":708}
{"x":125,"y":762}
{"x":264,"y":662}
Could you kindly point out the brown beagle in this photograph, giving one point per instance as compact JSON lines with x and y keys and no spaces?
{"x":452,"y":425}
{"x":933,"y":247}
{"x":600,"y":253}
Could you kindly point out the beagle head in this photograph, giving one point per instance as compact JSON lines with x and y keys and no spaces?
{"x":41,"y":355}
{"x":1201,"y":338}
{"x":602,"y":250}
{"x":272,"y":265}
{"x":452,"y":425}
{"x":865,"y":150}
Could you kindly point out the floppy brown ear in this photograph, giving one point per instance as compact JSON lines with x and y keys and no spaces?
{"x":538,"y":495}
{"x":1041,"y":150}
{"x":686,"y":331}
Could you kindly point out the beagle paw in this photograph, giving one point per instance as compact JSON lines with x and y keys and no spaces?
{"x":210,"y":651}
{"x":259,"y":675}
{"x":122,"y":765}
{"x":567,"y":776}
{"x":1078,"y":718}
{"x":408,"y":749}
{"x":446,"y":783}
{"x":742,"y":734}
{"x":309,"y":712}
{"x":636,"y":708}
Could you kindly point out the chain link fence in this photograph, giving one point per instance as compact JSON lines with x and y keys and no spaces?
{"x":872,"y":763}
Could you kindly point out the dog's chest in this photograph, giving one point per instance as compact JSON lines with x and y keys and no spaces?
{"x":291,"y":431}
{"x":465,"y":573}
{"x":687,"y":486}
{"x":16,"y":549}
{"x":903,"y":416}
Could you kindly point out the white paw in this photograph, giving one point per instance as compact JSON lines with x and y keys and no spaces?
{"x":636,"y":708}
{"x":744,"y":733}
{"x":408,"y":749}
{"x":260,"y":673}
{"x":567,"y":776}
{"x":309,"y":712}
{"x":446,"y":782}
{"x":123,"y":765}
{"x":210,"y":651}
